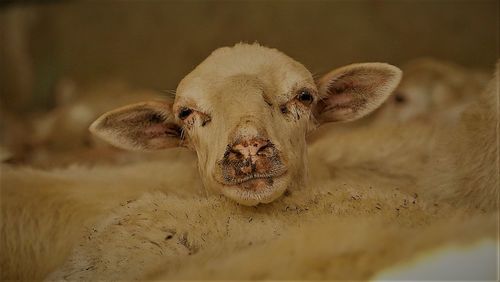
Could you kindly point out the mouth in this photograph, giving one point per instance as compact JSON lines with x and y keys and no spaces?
{"x":256,"y":188}
{"x":254,"y":176}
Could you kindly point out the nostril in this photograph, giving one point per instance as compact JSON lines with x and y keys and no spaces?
{"x":265,"y":151}
{"x":236,"y":153}
{"x":261,"y":151}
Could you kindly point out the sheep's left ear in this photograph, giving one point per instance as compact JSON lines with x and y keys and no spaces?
{"x":145,"y":126}
{"x":353,"y":91}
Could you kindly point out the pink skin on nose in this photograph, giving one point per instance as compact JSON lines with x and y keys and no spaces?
{"x":249,"y":149}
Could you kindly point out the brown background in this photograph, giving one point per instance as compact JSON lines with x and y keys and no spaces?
{"x":155,"y":43}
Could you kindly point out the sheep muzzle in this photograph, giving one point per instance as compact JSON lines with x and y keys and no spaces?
{"x":249,"y":159}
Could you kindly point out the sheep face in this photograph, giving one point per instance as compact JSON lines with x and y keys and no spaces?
{"x":432,"y":88}
{"x":246,"y":111}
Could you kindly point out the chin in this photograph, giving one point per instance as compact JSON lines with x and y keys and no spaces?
{"x":256,"y":191}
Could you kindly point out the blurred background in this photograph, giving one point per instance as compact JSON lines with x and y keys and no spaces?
{"x":61,"y":54}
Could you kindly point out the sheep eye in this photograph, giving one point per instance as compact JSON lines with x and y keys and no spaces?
{"x":399,"y":98}
{"x":305,"y":97}
{"x":184,"y":113}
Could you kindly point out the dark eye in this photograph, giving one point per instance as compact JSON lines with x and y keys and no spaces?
{"x":305,"y":96}
{"x":399,"y":98}
{"x":184,"y":113}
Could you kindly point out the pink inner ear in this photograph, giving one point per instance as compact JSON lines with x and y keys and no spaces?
{"x":338,"y":99}
{"x":345,"y":95}
{"x":354,"y":91}
{"x":340,"y":86}
{"x":350,"y":95}
{"x":364,"y":81}
{"x":160,"y":130}
{"x":155,"y":129}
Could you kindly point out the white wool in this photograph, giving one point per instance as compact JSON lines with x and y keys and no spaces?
{"x":356,"y":218}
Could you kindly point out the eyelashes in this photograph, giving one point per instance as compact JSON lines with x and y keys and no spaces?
{"x":188,"y":115}
{"x":305,"y":97}
{"x":184,"y":113}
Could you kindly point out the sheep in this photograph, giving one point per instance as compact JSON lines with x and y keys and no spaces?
{"x":432,"y":89}
{"x":346,"y":228}
{"x":432,"y":94}
{"x":291,"y":96}
{"x":246,"y":111}
{"x":465,"y":165}
{"x":121,"y":240}
{"x":468,"y":178}
{"x":133,"y":222}
{"x":413,"y":221}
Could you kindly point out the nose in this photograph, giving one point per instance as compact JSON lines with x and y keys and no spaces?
{"x":250,"y":157}
{"x":251,"y":147}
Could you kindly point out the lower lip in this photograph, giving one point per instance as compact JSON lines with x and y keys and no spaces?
{"x":255,"y":184}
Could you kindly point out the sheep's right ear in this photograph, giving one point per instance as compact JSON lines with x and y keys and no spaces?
{"x":143,"y":126}
{"x":351,"y":92}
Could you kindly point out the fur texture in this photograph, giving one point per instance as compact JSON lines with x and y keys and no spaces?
{"x":44,"y":212}
{"x":321,"y":234}
{"x":355,"y":219}
{"x":465,"y":164}
{"x":433,"y":88}
{"x":320,"y":231}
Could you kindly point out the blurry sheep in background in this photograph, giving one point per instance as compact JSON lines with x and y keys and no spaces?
{"x":433,"y":89}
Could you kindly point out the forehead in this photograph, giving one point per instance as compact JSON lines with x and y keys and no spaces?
{"x":258,"y":65}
